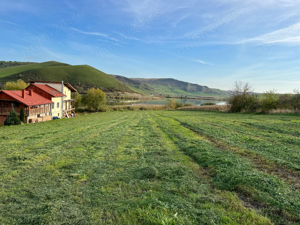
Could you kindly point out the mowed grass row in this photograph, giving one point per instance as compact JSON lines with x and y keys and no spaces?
{"x":267,"y":193}
{"x":280,"y":148}
{"x":113,"y":168}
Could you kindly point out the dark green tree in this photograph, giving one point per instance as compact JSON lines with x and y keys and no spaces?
{"x":12,"y":119}
{"x":22,"y":115}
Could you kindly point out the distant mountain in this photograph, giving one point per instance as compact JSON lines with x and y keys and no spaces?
{"x":168,"y":86}
{"x":81,"y":77}
{"x":135,"y":85}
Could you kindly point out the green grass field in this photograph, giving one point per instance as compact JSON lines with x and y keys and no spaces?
{"x":152,"y":167}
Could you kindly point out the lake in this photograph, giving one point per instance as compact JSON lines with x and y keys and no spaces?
{"x":163,"y":102}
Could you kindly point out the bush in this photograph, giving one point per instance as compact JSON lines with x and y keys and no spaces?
{"x":170,"y":104}
{"x":285,"y":101}
{"x":208,"y":103}
{"x":295,"y":99}
{"x":241,"y":97}
{"x":78,"y":99}
{"x":178,"y":105}
{"x":12,"y":119}
{"x":188,"y":104}
{"x":254,"y":104}
{"x":269,"y":100}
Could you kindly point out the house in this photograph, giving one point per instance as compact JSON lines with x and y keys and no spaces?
{"x":58,"y":92}
{"x":36,"y":107}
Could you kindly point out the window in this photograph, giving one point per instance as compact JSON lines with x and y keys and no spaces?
{"x":58,"y":105}
{"x":53,"y":105}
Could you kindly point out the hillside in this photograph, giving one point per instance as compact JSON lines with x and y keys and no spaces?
{"x":169,"y":87}
{"x":135,"y":85}
{"x":4,"y":64}
{"x":81,"y":77}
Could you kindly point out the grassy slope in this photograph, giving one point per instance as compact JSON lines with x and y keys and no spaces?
{"x":175,"y":87}
{"x":152,"y":168}
{"x":168,"y":87}
{"x":82,"y":77}
{"x":4,"y":72}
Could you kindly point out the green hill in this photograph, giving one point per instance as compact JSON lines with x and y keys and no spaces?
{"x":169,"y":86}
{"x":81,"y":77}
{"x":135,"y":85}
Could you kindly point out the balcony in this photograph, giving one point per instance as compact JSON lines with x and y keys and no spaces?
{"x":69,"y":105}
{"x":28,"y":112}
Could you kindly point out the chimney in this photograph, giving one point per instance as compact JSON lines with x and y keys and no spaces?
{"x":23,"y":93}
{"x":30,"y":93}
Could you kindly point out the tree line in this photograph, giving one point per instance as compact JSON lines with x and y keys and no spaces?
{"x":4,"y":64}
{"x":243,"y":99}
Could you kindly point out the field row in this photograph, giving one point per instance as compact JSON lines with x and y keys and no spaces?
{"x":164,"y":167}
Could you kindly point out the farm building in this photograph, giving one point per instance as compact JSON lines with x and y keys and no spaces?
{"x":58,"y":92}
{"x":41,"y":101}
{"x":36,"y":107}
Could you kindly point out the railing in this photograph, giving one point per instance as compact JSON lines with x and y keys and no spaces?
{"x":28,"y":112}
{"x":38,"y":111}
{"x":6,"y":111}
{"x":70,"y":109}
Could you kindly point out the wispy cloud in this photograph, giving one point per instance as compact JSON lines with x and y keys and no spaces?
{"x":202,"y":62}
{"x":89,"y":33}
{"x":51,"y":53}
{"x":8,"y":22}
{"x":289,"y":34}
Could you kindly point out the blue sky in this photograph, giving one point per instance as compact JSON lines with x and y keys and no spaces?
{"x":211,"y":43}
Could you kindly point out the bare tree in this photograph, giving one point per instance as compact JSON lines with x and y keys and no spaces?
{"x":241,"y":97}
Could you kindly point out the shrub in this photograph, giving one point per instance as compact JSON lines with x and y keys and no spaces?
{"x":78,"y":99}
{"x":241,"y":97}
{"x":188,"y":104}
{"x":170,"y":104}
{"x":208,"y":103}
{"x":269,"y":100}
{"x":254,"y":104}
{"x":178,"y":105}
{"x":285,"y":101}
{"x":12,"y":119}
{"x":295,"y":99}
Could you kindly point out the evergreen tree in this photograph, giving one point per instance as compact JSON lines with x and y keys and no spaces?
{"x":12,"y":119}
{"x":22,"y":115}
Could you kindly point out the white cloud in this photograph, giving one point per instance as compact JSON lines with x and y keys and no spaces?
{"x":202,"y":62}
{"x":8,"y":22}
{"x":51,"y":53}
{"x":289,"y":34}
{"x":89,"y":33}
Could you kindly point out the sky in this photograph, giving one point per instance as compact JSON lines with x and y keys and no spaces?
{"x":211,"y":43}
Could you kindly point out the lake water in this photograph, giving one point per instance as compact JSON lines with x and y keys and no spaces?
{"x":163,"y":102}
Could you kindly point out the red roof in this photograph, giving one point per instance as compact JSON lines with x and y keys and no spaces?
{"x":29,"y":100}
{"x":51,"y":82}
{"x":50,"y":90}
